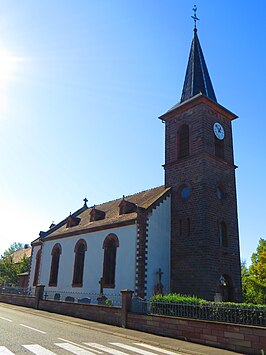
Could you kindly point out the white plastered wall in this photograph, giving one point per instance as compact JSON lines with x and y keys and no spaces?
{"x":159,"y":238}
{"x":93,"y":265}
{"x":34,"y":252}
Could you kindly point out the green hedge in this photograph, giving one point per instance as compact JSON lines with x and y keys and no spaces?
{"x":176,"y":298}
{"x":178,"y":305}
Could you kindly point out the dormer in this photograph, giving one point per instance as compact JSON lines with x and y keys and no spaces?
{"x":126,"y":206}
{"x":96,"y":215}
{"x":72,"y":221}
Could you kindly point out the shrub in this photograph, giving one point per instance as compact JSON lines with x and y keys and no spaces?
{"x":193,"y":307}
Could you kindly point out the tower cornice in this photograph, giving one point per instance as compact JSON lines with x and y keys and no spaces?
{"x":194,"y":101}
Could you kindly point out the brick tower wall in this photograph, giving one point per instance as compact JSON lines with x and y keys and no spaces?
{"x":197,"y":258}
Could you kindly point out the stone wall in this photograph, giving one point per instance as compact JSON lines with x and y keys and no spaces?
{"x":102,"y":314}
{"x":240,"y":338}
{"x":18,"y":300}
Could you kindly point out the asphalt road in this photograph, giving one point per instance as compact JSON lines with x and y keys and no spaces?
{"x":29,"y":331}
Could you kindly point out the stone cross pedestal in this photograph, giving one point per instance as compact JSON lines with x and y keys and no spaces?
{"x":159,"y":287}
{"x":101,"y":298}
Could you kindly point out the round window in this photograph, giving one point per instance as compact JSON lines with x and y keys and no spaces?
{"x":219,"y":193}
{"x":185,"y":193}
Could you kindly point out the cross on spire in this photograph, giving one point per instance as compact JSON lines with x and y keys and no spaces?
{"x":195,"y":17}
{"x":197,"y":79}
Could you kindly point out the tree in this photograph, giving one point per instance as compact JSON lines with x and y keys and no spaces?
{"x":254,"y":277}
{"x":8,"y":269}
{"x":24,"y":265}
{"x":13,"y":247}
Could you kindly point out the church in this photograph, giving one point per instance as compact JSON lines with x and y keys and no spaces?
{"x":180,"y":237}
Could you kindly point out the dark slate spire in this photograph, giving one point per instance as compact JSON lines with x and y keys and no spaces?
{"x":197,"y":78}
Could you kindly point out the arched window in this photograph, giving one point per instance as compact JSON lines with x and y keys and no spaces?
{"x":184,"y":227}
{"x":183,"y":141}
{"x":111,"y":243}
{"x":219,"y":148}
{"x":37,"y":267}
{"x":56,"y":252}
{"x":220,"y":192}
{"x":180,"y":228}
{"x":188,"y":227}
{"x":79,"y":250}
{"x":223,"y":234}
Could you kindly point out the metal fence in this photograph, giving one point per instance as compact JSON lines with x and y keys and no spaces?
{"x":218,"y":312}
{"x":15,"y":291}
{"x":83,"y":297}
{"x":250,"y":315}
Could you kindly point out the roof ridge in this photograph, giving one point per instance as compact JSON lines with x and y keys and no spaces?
{"x":153,"y":188}
{"x":137,"y":193}
{"x":145,"y":201}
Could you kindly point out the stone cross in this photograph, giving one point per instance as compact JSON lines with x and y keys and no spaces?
{"x":159,"y":287}
{"x":159,"y":273}
{"x":101,"y":286}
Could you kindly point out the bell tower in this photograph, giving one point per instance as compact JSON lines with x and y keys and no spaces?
{"x":199,"y":166}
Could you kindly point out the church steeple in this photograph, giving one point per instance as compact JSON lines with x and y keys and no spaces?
{"x":199,"y":168}
{"x":197,"y":79}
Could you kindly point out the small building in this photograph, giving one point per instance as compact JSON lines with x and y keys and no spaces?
{"x":17,"y":257}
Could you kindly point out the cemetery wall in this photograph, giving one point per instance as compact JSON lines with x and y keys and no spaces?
{"x":19,"y":300}
{"x":237,"y":337}
{"x":97,"y":313}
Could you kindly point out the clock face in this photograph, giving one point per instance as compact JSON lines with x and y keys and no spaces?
{"x":218,"y":130}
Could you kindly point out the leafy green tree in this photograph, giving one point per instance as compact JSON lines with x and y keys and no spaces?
{"x":24,"y":265}
{"x":258,"y":266}
{"x":13,"y":247}
{"x":254,"y":277}
{"x":8,"y":270}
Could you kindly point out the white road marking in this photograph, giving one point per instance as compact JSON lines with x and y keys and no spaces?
{"x":106,"y":349}
{"x":132,"y":348}
{"x":74,"y":349}
{"x":38,"y":349}
{"x":36,"y":330}
{"x":162,"y":351}
{"x":5,"y":351}
{"x":8,"y":320}
{"x":71,"y":342}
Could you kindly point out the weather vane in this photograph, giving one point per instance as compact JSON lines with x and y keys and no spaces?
{"x":195,"y":16}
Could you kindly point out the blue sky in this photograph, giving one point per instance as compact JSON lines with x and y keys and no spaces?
{"x":82,"y":84}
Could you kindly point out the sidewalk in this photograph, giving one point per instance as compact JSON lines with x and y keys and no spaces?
{"x":168,"y":343}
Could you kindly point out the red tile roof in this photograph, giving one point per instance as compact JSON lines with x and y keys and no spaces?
{"x":145,"y":199}
{"x":18,"y":255}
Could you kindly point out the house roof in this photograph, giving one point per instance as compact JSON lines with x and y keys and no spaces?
{"x":18,"y":255}
{"x":145,"y":200}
